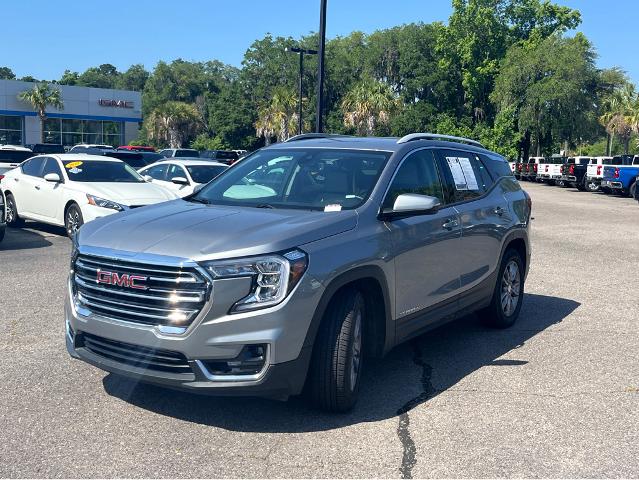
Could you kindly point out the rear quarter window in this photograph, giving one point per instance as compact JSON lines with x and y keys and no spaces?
{"x":497,"y":166}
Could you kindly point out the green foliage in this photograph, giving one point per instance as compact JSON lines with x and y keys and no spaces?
{"x":7,"y":74}
{"x":204,"y":142}
{"x":368,"y":107}
{"x":174,"y":124}
{"x":40,"y":97}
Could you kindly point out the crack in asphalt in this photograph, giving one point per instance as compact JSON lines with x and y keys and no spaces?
{"x":409,"y":455}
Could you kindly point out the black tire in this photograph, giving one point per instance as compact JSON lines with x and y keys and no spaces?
{"x":581,"y":186}
{"x":2,"y":230}
{"x":509,"y":292}
{"x":73,"y":219}
{"x":336,"y":367}
{"x":590,"y":187}
{"x":632,"y":190}
{"x":12,"y":217}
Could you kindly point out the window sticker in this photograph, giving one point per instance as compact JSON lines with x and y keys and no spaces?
{"x":75,"y":170}
{"x":73,"y":165}
{"x":335,"y":207}
{"x":463,"y":173}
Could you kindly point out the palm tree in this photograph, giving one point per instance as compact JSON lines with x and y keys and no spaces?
{"x":40,"y":97}
{"x":620,"y":116}
{"x":174,"y":123}
{"x":369,"y":104}
{"x":278,"y":118}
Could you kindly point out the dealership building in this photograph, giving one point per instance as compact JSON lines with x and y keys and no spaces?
{"x":90,"y":115}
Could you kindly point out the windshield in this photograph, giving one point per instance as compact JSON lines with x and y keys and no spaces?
{"x":97,"y":171}
{"x":316,"y":179}
{"x":205,"y":173}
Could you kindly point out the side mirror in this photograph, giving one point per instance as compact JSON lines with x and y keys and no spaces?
{"x":408,"y":204}
{"x":180,"y":181}
{"x":147,"y":178}
{"x":52,"y":177}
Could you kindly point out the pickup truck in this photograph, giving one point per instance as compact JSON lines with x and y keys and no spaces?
{"x":595,"y":172}
{"x":550,"y":170}
{"x":622,"y":179}
{"x":573,"y":172}
{"x":530,"y":169}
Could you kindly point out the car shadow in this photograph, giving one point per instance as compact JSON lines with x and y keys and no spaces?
{"x":32,"y":235}
{"x":411,"y":374}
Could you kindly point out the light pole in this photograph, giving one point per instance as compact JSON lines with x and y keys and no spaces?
{"x":301,"y":52}
{"x":319,"y":127}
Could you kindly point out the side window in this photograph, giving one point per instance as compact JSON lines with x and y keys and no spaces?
{"x":175,"y":171}
{"x":33,"y":167}
{"x":497,"y":166}
{"x":51,"y":166}
{"x":470,"y":178}
{"x":158,"y":172}
{"x":417,"y":174}
{"x":165,"y":153}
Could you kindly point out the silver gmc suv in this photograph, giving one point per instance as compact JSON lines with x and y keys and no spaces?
{"x":289,"y":270}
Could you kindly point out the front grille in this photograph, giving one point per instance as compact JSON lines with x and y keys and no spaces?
{"x":166,"y":295}
{"x":135,"y":355}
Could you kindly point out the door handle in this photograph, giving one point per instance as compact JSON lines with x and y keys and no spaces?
{"x":37,"y":187}
{"x":499,"y":211}
{"x":450,"y":223}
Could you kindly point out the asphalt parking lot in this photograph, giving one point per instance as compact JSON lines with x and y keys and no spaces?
{"x":555,"y":396}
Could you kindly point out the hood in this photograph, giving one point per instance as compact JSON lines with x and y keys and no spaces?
{"x":127,"y":193}
{"x":199,"y":232}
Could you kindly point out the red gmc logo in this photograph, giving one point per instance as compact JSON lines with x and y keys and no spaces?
{"x":121,"y":279}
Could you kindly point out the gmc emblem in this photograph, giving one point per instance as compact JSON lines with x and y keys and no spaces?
{"x":121,"y":279}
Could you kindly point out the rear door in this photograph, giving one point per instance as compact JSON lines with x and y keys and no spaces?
{"x":483,"y":211}
{"x":425,"y":247}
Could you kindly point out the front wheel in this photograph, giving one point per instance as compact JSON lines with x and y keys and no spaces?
{"x":508,"y":294}
{"x":73,"y":219}
{"x":336,"y":367}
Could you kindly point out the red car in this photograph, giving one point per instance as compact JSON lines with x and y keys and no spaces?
{"x":136,"y":148}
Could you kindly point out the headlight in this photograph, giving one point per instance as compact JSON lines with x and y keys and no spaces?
{"x":273,"y":277}
{"x":101,"y":202}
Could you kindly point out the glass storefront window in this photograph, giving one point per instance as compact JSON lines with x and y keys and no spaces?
{"x":70,"y":132}
{"x":10,"y":130}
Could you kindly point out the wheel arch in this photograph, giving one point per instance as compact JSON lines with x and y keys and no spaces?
{"x":371,"y":281}
{"x":518,"y":240}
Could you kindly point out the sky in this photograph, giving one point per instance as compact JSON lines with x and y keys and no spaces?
{"x":52,"y":36}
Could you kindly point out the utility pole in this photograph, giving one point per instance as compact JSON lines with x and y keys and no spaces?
{"x":301,"y":52}
{"x":319,"y":127}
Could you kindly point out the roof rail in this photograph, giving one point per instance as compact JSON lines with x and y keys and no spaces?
{"x":309,"y":136}
{"x":437,"y":136}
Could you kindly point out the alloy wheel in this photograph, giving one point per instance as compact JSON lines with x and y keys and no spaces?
{"x":356,"y":349}
{"x":73,"y":220}
{"x":510,"y":288}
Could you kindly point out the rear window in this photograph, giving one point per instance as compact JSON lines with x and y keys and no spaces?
{"x":183,"y":152}
{"x":205,"y":173}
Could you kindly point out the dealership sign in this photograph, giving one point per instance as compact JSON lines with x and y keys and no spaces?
{"x":104,"y":102}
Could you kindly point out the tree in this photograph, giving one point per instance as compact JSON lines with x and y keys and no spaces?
{"x":369,"y":106}
{"x":69,"y":78}
{"x":104,"y":76}
{"x":7,"y":74}
{"x":174,"y":124}
{"x":133,"y":79}
{"x":40,"y":97}
{"x":278,"y":118}
{"x":550,"y":89}
{"x":621,"y":115}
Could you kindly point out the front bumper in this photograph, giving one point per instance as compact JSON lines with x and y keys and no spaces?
{"x":214,"y":337}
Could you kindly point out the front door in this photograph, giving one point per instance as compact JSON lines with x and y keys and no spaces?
{"x":425,"y":247}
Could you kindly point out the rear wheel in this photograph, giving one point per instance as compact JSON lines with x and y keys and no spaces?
{"x":13,"y":219}
{"x":73,"y":219}
{"x":590,"y":186}
{"x":509,"y":292}
{"x":633,"y":190}
{"x":336,"y":367}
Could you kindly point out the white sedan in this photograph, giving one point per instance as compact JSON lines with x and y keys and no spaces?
{"x":72,"y":189}
{"x":182,"y":176}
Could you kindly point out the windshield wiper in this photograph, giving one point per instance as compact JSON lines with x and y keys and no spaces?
{"x":264,"y":205}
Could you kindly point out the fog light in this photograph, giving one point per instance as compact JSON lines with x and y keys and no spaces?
{"x":250,"y":361}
